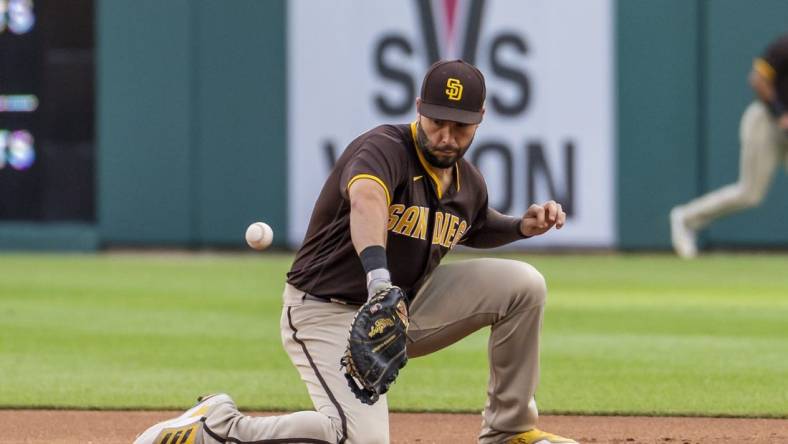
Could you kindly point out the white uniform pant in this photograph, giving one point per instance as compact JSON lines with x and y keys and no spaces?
{"x":763,"y":148}
{"x":458,"y":299}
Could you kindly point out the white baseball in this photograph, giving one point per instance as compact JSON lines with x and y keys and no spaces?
{"x":259,"y":235}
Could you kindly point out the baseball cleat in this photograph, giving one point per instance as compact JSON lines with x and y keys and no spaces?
{"x":682,"y":236}
{"x":185,"y":429}
{"x":536,"y":436}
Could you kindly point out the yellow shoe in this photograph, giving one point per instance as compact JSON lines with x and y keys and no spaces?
{"x":536,"y":436}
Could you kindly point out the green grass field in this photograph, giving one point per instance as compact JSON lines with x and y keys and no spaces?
{"x":629,"y":334}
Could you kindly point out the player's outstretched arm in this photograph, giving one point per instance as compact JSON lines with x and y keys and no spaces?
{"x":368,"y":219}
{"x":368,"y":214}
{"x":376,"y":348}
{"x":499,"y":229}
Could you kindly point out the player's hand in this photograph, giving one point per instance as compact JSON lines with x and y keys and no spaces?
{"x":540,"y":218}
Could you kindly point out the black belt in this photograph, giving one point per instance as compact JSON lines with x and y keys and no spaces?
{"x":311,"y":297}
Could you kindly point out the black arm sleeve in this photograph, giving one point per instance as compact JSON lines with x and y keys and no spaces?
{"x":495,"y":230}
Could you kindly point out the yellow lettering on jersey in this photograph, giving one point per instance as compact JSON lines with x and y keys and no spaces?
{"x":437,"y":228}
{"x":395,"y":211}
{"x":460,"y":233}
{"x":421,"y":228}
{"x":452,"y":230}
{"x":408,"y":221}
{"x":444,"y":228}
{"x":413,"y":222}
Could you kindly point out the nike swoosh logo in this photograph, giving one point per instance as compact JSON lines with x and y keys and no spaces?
{"x":415,"y":178}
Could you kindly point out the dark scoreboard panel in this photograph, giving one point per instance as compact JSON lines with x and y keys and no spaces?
{"x":47,"y":142}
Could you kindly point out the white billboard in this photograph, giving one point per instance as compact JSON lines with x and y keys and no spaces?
{"x":548,"y":130}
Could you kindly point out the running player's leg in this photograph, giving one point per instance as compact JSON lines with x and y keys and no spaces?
{"x":462,"y":297}
{"x":759,"y":158}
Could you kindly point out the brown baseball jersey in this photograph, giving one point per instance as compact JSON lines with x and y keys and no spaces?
{"x":425,"y":221}
{"x":773,"y":65}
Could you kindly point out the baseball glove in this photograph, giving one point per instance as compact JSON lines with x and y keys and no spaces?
{"x":376,"y":348}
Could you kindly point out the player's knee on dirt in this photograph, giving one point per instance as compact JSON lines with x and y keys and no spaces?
{"x":225,"y":420}
{"x":337,"y":433}
{"x":366,"y":435}
{"x":359,"y":430}
{"x":317,"y":426}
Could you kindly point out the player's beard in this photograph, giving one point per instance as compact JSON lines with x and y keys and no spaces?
{"x":427,"y":149}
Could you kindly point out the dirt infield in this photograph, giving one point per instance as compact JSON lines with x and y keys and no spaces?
{"x":110,"y":427}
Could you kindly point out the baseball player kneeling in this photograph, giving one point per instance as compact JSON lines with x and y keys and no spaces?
{"x":366,"y":290}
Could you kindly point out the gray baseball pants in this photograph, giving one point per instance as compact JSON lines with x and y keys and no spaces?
{"x":458,"y":299}
{"x":763,"y":147}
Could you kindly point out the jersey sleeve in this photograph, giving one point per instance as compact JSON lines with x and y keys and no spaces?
{"x":774,"y":59}
{"x":496,"y":230}
{"x":377,"y":159}
{"x":490,"y":228}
